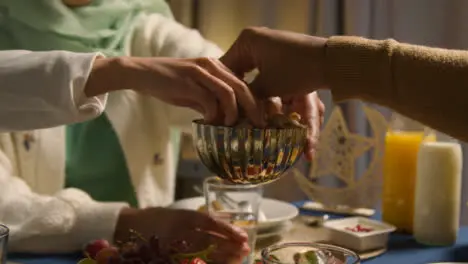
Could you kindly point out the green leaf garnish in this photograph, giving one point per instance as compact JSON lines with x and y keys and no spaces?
{"x":309,"y":257}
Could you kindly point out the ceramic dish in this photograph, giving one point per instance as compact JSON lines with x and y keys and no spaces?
{"x":276,"y":212}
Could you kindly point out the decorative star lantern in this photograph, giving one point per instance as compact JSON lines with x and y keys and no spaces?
{"x":338,"y":151}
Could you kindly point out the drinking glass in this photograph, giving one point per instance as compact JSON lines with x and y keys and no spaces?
{"x":4,"y":232}
{"x":237,"y":204}
{"x":288,"y":253}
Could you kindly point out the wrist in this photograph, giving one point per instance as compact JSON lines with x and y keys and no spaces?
{"x":107,"y":75}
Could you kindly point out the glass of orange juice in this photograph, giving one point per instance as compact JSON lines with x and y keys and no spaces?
{"x":402,"y":143}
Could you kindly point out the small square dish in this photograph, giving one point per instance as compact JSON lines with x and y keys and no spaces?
{"x":359,"y":233}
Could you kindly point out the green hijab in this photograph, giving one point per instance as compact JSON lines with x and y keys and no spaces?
{"x":51,"y":25}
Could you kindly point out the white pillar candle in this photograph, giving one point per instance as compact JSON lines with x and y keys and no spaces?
{"x":438,"y":191}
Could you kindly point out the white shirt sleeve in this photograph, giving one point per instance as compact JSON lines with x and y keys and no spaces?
{"x":159,"y":36}
{"x":45,"y":89}
{"x":59,"y":223}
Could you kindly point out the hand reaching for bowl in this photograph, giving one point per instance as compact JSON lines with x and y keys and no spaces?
{"x":198,"y":229}
{"x":202,"y":84}
{"x":290,"y":66}
{"x":288,"y":63}
{"x":310,"y":109}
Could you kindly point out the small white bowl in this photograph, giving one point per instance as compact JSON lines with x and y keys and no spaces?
{"x":376,"y":238}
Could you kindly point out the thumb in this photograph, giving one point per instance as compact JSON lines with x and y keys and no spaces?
{"x":238,"y":58}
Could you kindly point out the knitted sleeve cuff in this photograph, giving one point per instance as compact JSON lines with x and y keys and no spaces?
{"x":358,"y":67}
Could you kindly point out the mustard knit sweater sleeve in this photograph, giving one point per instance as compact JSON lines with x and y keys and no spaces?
{"x":426,"y":84}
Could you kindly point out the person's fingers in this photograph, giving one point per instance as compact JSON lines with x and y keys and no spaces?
{"x":202,"y":100}
{"x":307,"y":106}
{"x":309,"y":150}
{"x":205,"y":222}
{"x":311,"y":143}
{"x":224,"y":249}
{"x":319,"y":120}
{"x":243,"y":94}
{"x":227,"y":254}
{"x":318,"y":111}
{"x":228,"y":250}
{"x":223,"y":92}
{"x":273,"y":106}
{"x":321,"y":108}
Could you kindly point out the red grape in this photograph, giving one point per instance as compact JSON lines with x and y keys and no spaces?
{"x":93,"y":248}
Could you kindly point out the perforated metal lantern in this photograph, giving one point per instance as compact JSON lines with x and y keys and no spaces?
{"x":248,"y":155}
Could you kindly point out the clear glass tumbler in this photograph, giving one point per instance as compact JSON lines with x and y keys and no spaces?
{"x":4,"y":233}
{"x":237,"y":204}
{"x":313,"y":253}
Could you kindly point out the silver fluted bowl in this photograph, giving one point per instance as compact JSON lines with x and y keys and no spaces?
{"x":246,"y":155}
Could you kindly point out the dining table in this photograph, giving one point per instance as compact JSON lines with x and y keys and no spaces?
{"x":401,"y":248}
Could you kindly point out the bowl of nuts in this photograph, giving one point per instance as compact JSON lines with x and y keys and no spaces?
{"x":243,"y":154}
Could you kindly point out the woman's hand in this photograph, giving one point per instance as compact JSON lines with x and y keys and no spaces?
{"x":198,"y":229}
{"x":288,"y":63}
{"x":312,"y":112}
{"x":202,"y":84}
